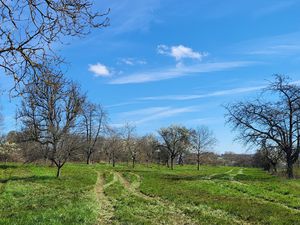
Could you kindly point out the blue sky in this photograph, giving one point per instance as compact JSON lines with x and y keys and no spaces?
{"x":171,"y":61}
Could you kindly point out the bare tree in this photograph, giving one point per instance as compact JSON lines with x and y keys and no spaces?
{"x":175,"y":140}
{"x":30,"y":28}
{"x":148,"y":146}
{"x":94,"y":122}
{"x":130,"y":142}
{"x":50,"y":108}
{"x":112,"y":145}
{"x":276,"y":120}
{"x":202,"y":139}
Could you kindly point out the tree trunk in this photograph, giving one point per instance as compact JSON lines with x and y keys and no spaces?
{"x":133,"y":162}
{"x":58,"y":172}
{"x":88,"y":159}
{"x":180,"y":160}
{"x":172,"y":161}
{"x":113,"y":162}
{"x":289,"y":169}
{"x":274,"y":167}
{"x":198,"y":161}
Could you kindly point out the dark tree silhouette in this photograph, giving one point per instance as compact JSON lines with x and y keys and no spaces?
{"x":276,"y":120}
{"x":93,"y":123}
{"x":176,"y":139}
{"x":30,"y":28}
{"x":50,"y":108}
{"x":202,"y":139}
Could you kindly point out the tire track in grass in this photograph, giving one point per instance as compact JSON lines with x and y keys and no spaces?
{"x":202,"y":209}
{"x":132,"y":188}
{"x":212,"y":176}
{"x":176,"y":216}
{"x":246,"y":192}
{"x":233,"y":175}
{"x":106,"y":211}
{"x":114,"y":180}
{"x":261,"y":198}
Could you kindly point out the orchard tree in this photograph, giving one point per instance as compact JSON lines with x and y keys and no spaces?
{"x":148,"y":146}
{"x":49,"y":113}
{"x":8,"y":150}
{"x":130,"y":142}
{"x":274,"y":117}
{"x":94,"y":123}
{"x":112,"y":145}
{"x":202,"y":140}
{"x":29,"y":29}
{"x":30,"y":150}
{"x":175,"y":139}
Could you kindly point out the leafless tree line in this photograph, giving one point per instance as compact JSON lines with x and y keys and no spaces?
{"x":60,"y":125}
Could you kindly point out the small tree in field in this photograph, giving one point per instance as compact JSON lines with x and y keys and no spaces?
{"x":202,"y":139}
{"x":50,"y":109}
{"x":148,"y":147}
{"x":112,"y":145}
{"x":130,"y":142}
{"x":93,"y":123}
{"x":175,"y":139}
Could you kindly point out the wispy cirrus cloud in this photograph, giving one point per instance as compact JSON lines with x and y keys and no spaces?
{"x":178,"y":71}
{"x":132,"y":15}
{"x":279,"y":45}
{"x":276,"y":49}
{"x":212,"y":94}
{"x":132,"y":61}
{"x":142,"y":116}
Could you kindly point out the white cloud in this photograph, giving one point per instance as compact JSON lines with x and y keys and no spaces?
{"x":163,"y":49}
{"x":212,"y":94}
{"x":99,"y":70}
{"x":180,"y":52}
{"x":132,"y":61}
{"x":182,"y":70}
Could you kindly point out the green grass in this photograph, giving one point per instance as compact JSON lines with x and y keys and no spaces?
{"x":146,"y":195}
{"x":32,"y":195}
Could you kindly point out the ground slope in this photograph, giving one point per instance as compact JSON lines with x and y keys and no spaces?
{"x":100,"y":194}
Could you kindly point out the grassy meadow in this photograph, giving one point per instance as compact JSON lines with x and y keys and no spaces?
{"x":99,"y":194}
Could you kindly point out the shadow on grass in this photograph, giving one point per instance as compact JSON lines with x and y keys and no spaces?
{"x":221,"y":176}
{"x":27,"y":179}
{"x":4,"y":167}
{"x":182,"y":177}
